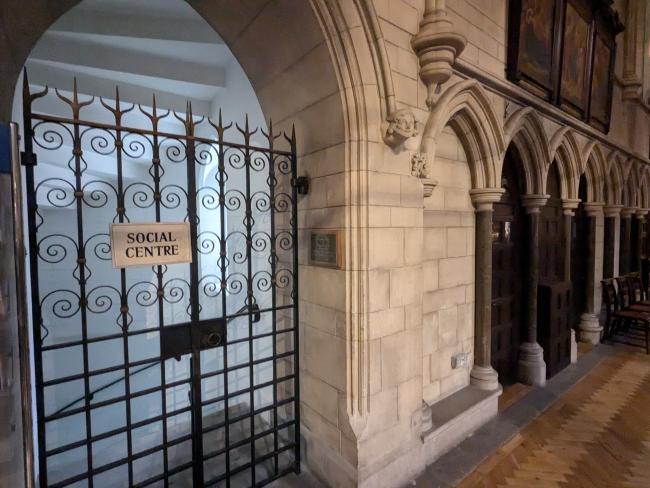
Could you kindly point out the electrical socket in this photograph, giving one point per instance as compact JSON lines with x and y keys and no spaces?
{"x":459,"y":360}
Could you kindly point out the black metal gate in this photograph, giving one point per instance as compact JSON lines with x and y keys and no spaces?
{"x":171,"y":375}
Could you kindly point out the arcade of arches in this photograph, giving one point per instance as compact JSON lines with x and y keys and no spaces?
{"x":474,"y":220}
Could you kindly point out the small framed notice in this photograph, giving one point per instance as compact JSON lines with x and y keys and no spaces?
{"x":326,"y":249}
{"x":150,"y":244}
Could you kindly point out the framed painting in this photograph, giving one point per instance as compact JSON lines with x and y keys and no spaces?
{"x":601,"y":83}
{"x":575,"y":51}
{"x":532,"y":29}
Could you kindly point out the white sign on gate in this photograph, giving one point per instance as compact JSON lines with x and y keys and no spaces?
{"x":150,"y":244}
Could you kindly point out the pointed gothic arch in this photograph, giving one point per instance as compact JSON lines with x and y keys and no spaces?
{"x":466,"y":108}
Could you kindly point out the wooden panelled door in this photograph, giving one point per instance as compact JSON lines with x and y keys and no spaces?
{"x":507,"y":273}
{"x":554,"y":292}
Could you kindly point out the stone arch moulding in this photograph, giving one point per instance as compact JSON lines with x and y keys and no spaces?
{"x":466,"y":107}
{"x":565,"y":151}
{"x":594,"y":166}
{"x":615,"y":180}
{"x":524,"y":129}
{"x":323,"y":23}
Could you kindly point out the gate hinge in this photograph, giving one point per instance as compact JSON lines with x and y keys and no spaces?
{"x":28,"y":159}
{"x":301,"y":183}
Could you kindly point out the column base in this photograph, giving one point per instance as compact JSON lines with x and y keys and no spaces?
{"x":590,"y":328}
{"x":574,"y":347}
{"x":531,"y":369}
{"x":484,"y":377}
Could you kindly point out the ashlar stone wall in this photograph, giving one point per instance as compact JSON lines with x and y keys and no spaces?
{"x":448,"y":269}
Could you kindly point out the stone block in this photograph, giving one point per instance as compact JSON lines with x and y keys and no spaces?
{"x":383,"y":189}
{"x":324,"y":356}
{"x":448,"y":326}
{"x":401,"y":357}
{"x":435,"y":244}
{"x":413,"y":316}
{"x":383,"y":413}
{"x":411,"y":192}
{"x":457,"y":241}
{"x":443,"y":298}
{"x":456,"y":271}
{"x":430,"y":333}
{"x":379,"y":289}
{"x":320,"y":397}
{"x":413,"y":245}
{"x":430,"y":275}
{"x":386,"y":247}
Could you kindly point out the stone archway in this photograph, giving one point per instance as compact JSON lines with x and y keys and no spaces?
{"x":311,"y":72}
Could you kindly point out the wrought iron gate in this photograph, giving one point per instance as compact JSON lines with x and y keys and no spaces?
{"x":171,"y":375}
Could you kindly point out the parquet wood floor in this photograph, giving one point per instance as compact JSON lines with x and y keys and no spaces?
{"x":596,"y":436}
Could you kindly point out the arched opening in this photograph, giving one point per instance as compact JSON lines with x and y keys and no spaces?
{"x":508,"y":261}
{"x":579,"y":255}
{"x":87,"y":424}
{"x":554,"y":295}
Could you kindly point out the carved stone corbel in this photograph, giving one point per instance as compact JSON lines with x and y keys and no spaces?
{"x":437,"y":45}
{"x":420,"y":169}
{"x":400,"y":125}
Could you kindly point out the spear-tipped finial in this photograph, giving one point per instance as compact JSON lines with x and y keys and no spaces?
{"x":189,"y":105}
{"x":153,"y":104}
{"x":117,"y":97}
{"x":246,"y":125}
{"x":75,"y":97}
{"x":270,"y":127}
{"x":293,"y":132}
{"x":220,"y":121}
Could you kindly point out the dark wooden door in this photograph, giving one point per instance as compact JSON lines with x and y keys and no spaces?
{"x":554,"y":293}
{"x":507,"y":273}
{"x":579,"y":256}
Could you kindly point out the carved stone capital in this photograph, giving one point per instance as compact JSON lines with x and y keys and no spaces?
{"x":437,"y":45}
{"x":532,"y":203}
{"x":419,"y":165}
{"x":594,"y":209}
{"x":484,"y":198}
{"x":400,"y":125}
{"x":641,"y":213}
{"x":627,"y":212}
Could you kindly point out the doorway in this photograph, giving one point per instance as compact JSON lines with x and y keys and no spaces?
{"x":507,"y":271}
{"x":579,"y":256}
{"x":174,"y":373}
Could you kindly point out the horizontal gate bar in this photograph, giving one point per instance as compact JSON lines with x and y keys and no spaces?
{"x":133,"y":130}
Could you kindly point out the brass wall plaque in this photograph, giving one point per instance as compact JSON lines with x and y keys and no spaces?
{"x":150,"y":244}
{"x":326,"y":249}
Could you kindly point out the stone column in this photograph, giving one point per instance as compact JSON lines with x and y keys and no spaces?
{"x":590,"y":328}
{"x":640,"y":219}
{"x":483,"y":374}
{"x":626,"y":240}
{"x":531,"y":367}
{"x":569,"y":205}
{"x":610,"y":261}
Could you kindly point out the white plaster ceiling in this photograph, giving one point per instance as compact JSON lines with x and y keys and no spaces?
{"x":143,"y":46}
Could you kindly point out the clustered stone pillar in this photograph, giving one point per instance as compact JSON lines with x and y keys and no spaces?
{"x":531,"y":368}
{"x":626,"y":240}
{"x":569,"y":205}
{"x":640,"y":219}
{"x":610,"y":259}
{"x":590,"y":328}
{"x":483,"y":374}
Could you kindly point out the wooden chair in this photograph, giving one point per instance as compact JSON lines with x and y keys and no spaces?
{"x":624,"y":324}
{"x":637,"y":292}
{"x":627,"y":297}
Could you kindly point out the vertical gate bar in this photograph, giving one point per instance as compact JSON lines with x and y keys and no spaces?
{"x":273,"y":297}
{"x":21,"y":308}
{"x":124,"y":305}
{"x":32,"y":208}
{"x":296,"y":318}
{"x":249,"y":297}
{"x":77,"y":153}
{"x":224,"y":286}
{"x":155,"y":161}
{"x":195,"y":368}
